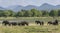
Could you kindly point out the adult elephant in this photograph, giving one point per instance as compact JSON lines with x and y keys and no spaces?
{"x":39,"y":22}
{"x":5,"y":22}
{"x":13,"y":23}
{"x":23,"y":23}
{"x":53,"y":23}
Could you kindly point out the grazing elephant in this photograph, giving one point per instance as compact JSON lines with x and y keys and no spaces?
{"x":23,"y":23}
{"x":13,"y":23}
{"x":39,"y":22}
{"x":5,"y":22}
{"x":50,"y":22}
{"x":9,"y":23}
{"x":53,"y":23}
{"x":56,"y":22}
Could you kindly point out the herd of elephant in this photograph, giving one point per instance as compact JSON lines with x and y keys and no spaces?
{"x":23,"y":23}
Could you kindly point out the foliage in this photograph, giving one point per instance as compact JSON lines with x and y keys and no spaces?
{"x":29,"y":13}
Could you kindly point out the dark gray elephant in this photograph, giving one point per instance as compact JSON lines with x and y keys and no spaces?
{"x":13,"y":23}
{"x":39,"y":22}
{"x":53,"y":23}
{"x":5,"y":22}
{"x":23,"y":23}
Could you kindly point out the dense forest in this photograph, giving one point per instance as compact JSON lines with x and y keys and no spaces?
{"x":29,"y":13}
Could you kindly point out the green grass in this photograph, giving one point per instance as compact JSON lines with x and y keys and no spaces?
{"x":32,"y":28}
{"x":32,"y":19}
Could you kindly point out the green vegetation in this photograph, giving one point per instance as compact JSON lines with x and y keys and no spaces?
{"x":29,"y":19}
{"x":30,"y":29}
{"x":29,"y":13}
{"x":30,"y":16}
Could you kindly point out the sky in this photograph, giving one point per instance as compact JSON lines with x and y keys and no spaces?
{"x":6,"y":3}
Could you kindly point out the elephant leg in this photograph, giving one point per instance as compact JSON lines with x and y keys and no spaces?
{"x":27,"y":24}
{"x":5,"y":24}
{"x":40,"y":23}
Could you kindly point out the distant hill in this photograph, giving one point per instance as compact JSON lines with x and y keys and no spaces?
{"x":15,"y":7}
{"x":1,"y":8}
{"x":30,"y":7}
{"x":44,"y":6}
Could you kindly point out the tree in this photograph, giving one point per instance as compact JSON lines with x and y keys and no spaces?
{"x":1,"y":13}
{"x":53,"y":13}
{"x":28,"y":13}
{"x":19,"y":14}
{"x":45,"y":13}
{"x":58,"y":12}
{"x":39,"y":13}
{"x":8,"y":13}
{"x":34,"y":12}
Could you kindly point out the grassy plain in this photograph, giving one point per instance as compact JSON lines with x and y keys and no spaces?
{"x":32,"y":28}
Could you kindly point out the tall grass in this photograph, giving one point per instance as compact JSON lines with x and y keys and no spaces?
{"x":30,"y":29}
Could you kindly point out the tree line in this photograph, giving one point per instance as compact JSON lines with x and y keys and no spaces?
{"x":29,"y":13}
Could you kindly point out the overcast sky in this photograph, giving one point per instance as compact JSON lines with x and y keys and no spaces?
{"x":6,"y":3}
